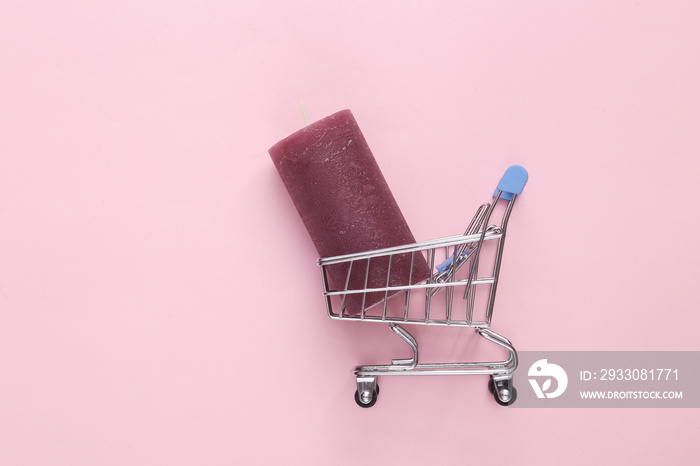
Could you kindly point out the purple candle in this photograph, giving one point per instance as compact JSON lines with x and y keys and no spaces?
{"x":346,"y":205}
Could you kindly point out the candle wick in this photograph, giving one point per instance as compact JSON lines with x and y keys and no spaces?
{"x":304,"y":113}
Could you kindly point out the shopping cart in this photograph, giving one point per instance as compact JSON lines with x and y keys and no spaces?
{"x":460,"y":292}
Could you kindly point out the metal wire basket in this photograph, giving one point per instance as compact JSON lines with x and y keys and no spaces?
{"x":460,"y":291}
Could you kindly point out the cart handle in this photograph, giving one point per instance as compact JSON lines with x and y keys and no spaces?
{"x":512,"y":182}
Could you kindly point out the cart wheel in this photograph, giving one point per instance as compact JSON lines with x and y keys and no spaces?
{"x":513,"y":397}
{"x":372,"y":400}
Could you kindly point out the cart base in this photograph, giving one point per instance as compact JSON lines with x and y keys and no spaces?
{"x":501,"y":372}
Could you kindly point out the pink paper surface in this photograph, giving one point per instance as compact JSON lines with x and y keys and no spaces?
{"x":160,"y":301}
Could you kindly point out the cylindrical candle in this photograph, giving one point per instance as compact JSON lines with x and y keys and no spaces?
{"x":346,"y":205}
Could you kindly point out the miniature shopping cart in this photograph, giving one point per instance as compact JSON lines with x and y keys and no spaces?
{"x":459,"y":292}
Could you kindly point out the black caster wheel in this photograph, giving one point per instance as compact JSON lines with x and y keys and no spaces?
{"x":370,"y":402}
{"x":513,"y":397}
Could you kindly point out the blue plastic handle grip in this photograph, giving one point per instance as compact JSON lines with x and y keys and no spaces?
{"x":512,"y":182}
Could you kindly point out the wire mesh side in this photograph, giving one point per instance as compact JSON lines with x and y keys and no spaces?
{"x":460,"y":279}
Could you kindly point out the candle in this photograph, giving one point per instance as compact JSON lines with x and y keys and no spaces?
{"x":346,"y":205}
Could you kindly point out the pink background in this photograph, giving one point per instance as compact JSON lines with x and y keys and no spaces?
{"x":159,"y":297}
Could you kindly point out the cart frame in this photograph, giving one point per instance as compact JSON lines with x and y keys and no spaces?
{"x":446,"y":277}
